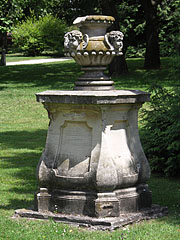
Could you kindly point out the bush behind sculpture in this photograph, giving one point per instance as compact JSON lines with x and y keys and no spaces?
{"x":34,"y":36}
{"x":161,"y":130}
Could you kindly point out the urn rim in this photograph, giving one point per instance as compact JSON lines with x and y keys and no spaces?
{"x":93,"y":18}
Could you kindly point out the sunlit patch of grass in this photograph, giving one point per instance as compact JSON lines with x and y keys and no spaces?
{"x":19,"y":57}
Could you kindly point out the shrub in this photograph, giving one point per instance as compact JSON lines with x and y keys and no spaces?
{"x":52,"y":33}
{"x":34,"y":36}
{"x":161,"y":128}
{"x":27,"y":37}
{"x":135,"y":52}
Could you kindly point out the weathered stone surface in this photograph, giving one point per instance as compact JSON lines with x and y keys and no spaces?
{"x":43,"y":200}
{"x":102,"y":204}
{"x":93,"y":97}
{"x":93,"y":151}
{"x":93,"y":170}
{"x":92,"y":146}
{"x":108,"y":223}
{"x":92,"y":47}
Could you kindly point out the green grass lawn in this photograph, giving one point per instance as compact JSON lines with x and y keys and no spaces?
{"x":23,"y":128}
{"x":19,"y":57}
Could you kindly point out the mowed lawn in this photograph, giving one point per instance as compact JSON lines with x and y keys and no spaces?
{"x":23,"y":128}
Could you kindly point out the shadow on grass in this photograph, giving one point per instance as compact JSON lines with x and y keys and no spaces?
{"x":166,"y":192}
{"x":17,"y":204}
{"x":20,"y":167}
{"x":54,"y":75}
{"x":22,"y":151}
{"x":20,"y":183}
{"x":140,"y":78}
{"x":19,"y":140}
{"x":62,"y":75}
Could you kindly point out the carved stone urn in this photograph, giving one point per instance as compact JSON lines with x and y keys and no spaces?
{"x":93,"y":169}
{"x":93,"y":163}
{"x":93,"y":49}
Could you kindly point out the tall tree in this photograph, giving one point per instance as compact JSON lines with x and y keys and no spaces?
{"x":35,"y":7}
{"x":69,"y":10}
{"x":138,"y":20}
{"x":152,"y":55}
{"x":118,"y":65}
{"x":10,"y":11}
{"x":3,"y":44}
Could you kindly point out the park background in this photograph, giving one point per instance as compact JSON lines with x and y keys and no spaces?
{"x":33,"y":30}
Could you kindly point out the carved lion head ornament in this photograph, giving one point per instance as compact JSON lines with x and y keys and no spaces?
{"x":72,"y":40}
{"x":113,"y":41}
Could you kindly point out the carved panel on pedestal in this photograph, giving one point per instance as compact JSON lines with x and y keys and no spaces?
{"x":121,"y":154}
{"x":73,"y":157}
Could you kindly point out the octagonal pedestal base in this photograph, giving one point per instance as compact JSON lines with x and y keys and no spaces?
{"x":93,"y":170}
{"x":94,"y":204}
{"x":93,"y":163}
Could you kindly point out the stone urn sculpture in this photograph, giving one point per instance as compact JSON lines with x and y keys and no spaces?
{"x":93,"y":169}
{"x":93,"y":49}
{"x":93,"y":163}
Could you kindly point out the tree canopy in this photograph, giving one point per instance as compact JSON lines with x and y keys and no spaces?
{"x":146,"y":23}
{"x":151,"y":27}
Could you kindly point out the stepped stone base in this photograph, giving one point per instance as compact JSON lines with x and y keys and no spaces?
{"x":108,"y":223}
{"x":94,"y":204}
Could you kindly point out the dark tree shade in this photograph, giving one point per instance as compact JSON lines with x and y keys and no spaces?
{"x":118,"y":65}
{"x":152,"y":55}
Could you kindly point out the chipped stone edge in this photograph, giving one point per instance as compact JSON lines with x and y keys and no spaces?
{"x":154,"y":212}
{"x":93,"y":97}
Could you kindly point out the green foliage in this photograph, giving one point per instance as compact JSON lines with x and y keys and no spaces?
{"x":169,"y":27}
{"x":135,"y":52}
{"x":39,"y":8}
{"x":130,"y":15}
{"x":34,"y":36}
{"x":161,"y":131}
{"x":10,"y":12}
{"x":132,"y":23}
{"x":52,"y":32}
{"x":27,"y":37}
{"x":71,"y":9}
{"x":161,"y":127}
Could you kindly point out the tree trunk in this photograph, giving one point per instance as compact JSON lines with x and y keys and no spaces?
{"x":3,"y":37}
{"x":3,"y":57}
{"x":118,"y":65}
{"x":152,"y":55}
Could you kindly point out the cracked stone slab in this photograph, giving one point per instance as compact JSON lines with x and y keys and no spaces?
{"x":109,"y":223}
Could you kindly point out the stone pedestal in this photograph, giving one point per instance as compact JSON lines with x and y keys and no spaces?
{"x":93,"y":163}
{"x":93,"y":170}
